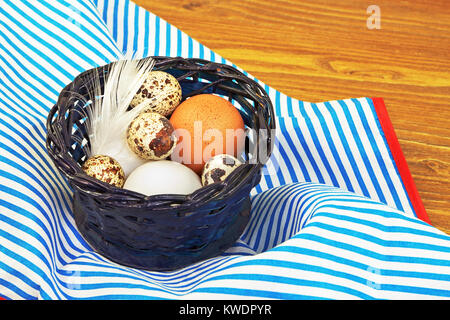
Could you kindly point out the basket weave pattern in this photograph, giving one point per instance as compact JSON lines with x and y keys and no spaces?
{"x":161,"y":232}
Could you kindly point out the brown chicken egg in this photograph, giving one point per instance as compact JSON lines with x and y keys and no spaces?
{"x":200,"y":115}
{"x":151,"y":136}
{"x":161,"y":92}
{"x":106,"y":169}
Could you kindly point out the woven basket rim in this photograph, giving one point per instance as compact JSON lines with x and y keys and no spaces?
{"x":106,"y":192}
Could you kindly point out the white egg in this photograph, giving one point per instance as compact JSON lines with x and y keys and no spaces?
{"x":163,"y":177}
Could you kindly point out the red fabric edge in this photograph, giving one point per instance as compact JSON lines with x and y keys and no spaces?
{"x":399,"y":158}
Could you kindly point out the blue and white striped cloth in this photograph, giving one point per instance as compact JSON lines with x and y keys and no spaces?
{"x":331,"y":218}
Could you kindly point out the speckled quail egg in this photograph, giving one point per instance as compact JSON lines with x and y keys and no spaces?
{"x":161,"y":92}
{"x":151,"y":136}
{"x":218,"y":168}
{"x":106,"y":169}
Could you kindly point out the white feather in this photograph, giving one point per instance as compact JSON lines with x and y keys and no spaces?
{"x":108,"y":116}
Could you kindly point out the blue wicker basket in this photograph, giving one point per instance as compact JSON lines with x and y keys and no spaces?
{"x":161,"y":232}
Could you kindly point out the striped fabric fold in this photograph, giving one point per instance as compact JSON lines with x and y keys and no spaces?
{"x":331,"y":218}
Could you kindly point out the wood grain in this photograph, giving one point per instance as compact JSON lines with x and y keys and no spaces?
{"x":318,"y":50}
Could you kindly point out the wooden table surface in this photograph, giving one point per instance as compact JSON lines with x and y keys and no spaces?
{"x":320,"y":50}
